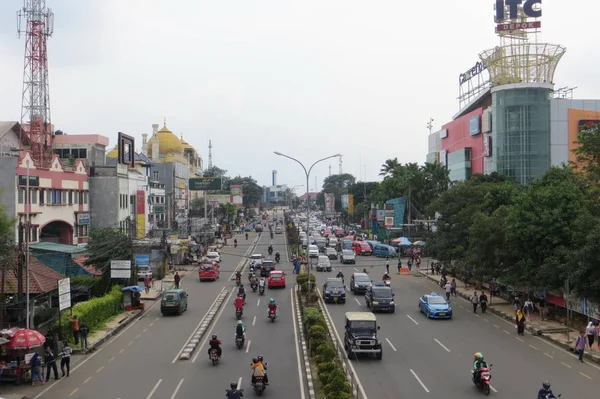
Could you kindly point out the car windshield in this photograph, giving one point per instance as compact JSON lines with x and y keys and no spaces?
{"x":330,"y":251}
{"x":267,"y":263}
{"x":276,"y":275}
{"x":365,"y":245}
{"x":206,"y":267}
{"x":348,"y":253}
{"x":362,"y":279}
{"x":368,"y":326}
{"x":382,"y":293}
{"x":144,"y":269}
{"x":436,"y":300}
{"x":170,"y":297}
{"x":255,"y":257}
{"x":212,"y":255}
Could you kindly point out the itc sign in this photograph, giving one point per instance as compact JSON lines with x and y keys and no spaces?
{"x":514,"y":6}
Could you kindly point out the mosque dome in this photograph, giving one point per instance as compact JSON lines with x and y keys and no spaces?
{"x":168,"y":143}
{"x":114,"y":153}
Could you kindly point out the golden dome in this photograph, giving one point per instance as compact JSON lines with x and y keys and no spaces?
{"x":168,"y":143}
{"x":114,"y":153}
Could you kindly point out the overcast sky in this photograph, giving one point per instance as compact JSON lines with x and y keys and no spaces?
{"x":308,"y":78}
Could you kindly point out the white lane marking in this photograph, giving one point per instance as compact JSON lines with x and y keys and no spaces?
{"x":550,"y":356}
{"x":566,"y":365}
{"x":196,"y":328}
{"x":585,"y":375}
{"x":357,"y":301}
{"x":239,"y":386}
{"x":476,"y":315}
{"x":493,"y":389}
{"x":100,"y":369}
{"x":87,"y":380}
{"x":419,"y":380}
{"x":154,"y":389}
{"x":254,"y":320}
{"x":392,"y":345}
{"x":461,"y":306}
{"x":298,"y":358}
{"x":214,"y":322}
{"x":248,"y":346}
{"x":337,"y":335}
{"x":522,"y":340}
{"x":506,"y":332}
{"x":413,"y":320}
{"x":177,"y":389}
{"x":486,"y":320}
{"x":258,"y":303}
{"x":355,"y":269}
{"x":565,"y":352}
{"x":442,"y":345}
{"x":533,"y":347}
{"x":496,"y":325}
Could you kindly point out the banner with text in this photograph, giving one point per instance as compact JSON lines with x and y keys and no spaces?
{"x":329,"y":202}
{"x":351,"y":204}
{"x":237,"y":196}
{"x":344,"y":201}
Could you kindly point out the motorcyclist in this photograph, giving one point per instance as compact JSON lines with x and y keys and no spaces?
{"x":258,"y":370}
{"x":252,"y":266}
{"x":242,"y":292}
{"x":478,"y":364}
{"x":386,"y":276}
{"x":235,"y":242}
{"x":365,"y":271}
{"x":252,"y":278}
{"x":246,"y":236}
{"x":262,"y":283}
{"x":264,"y":364}
{"x":272,"y":307}
{"x":277,"y":257}
{"x":545,"y":392}
{"x":234,"y":393}
{"x":238,"y":274}
{"x":340,"y":274}
{"x":215,"y":344}
{"x":270,"y":250}
{"x":239,"y":303}
{"x":240,"y":330}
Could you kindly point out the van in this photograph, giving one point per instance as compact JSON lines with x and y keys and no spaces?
{"x":384,"y":251}
{"x":361,"y":248}
{"x":174,"y":302}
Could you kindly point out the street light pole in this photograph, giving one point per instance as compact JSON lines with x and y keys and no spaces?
{"x":307,"y":173}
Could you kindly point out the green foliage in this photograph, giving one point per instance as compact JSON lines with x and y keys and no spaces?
{"x":325,"y":353}
{"x":105,"y":245}
{"x":312,"y":317}
{"x":94,"y":312}
{"x":336,"y":382}
{"x":303,"y":278}
{"x":588,"y":151}
{"x":326,"y":367}
{"x":44,"y":315}
{"x":99,"y":286}
{"x":339,"y":395}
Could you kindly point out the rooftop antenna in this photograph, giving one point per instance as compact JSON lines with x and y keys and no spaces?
{"x":430,"y":125}
{"x":340,"y":163}
{"x":209,"y":154}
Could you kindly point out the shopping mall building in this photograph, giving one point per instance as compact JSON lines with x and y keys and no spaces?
{"x":512,"y":119}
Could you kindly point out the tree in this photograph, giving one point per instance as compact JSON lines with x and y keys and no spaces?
{"x":105,"y":245}
{"x":388,"y":167}
{"x":227,"y":212}
{"x":588,"y":151}
{"x":252,"y":192}
{"x":337,"y":185}
{"x":215,"y":171}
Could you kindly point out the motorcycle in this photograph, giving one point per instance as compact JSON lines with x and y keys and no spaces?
{"x":387,"y":282}
{"x":214,"y":357}
{"x":228,"y":391}
{"x":259,"y":385}
{"x":270,"y":251}
{"x":235,"y":244}
{"x":254,"y":286}
{"x":238,"y":314}
{"x":246,"y":236}
{"x":485,"y":376}
{"x":261,"y":290}
{"x":239,"y":342}
{"x":272,"y":316}
{"x":277,"y":258}
{"x":238,"y":281}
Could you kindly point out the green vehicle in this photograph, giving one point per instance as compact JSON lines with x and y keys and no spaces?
{"x":174,"y":302}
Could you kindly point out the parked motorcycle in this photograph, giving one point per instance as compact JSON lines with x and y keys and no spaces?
{"x":214,"y":357}
{"x":483,"y":383}
{"x":239,"y":342}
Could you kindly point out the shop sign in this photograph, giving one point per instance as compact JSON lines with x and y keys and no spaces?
{"x":472,"y":72}
{"x":83,"y":219}
{"x":487,"y":146}
{"x":519,"y":26}
{"x":514,"y":6}
{"x":34,"y":181}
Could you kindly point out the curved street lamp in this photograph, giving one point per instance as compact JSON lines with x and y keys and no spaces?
{"x":307,"y":173}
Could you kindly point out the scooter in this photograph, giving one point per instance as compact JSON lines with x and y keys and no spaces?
{"x":387,"y":282}
{"x":485,"y":376}
{"x":261,"y":290}
{"x":238,"y":281}
{"x":272,"y":316}
{"x":254,"y":286}
{"x":277,"y":258}
{"x":238,"y":314}
{"x":214,"y":357}
{"x":235,"y":244}
{"x":239,"y":342}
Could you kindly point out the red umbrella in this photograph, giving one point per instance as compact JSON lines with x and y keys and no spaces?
{"x":26,"y":339}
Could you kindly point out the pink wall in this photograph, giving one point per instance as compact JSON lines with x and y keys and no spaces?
{"x":80,"y":139}
{"x":459,"y":137}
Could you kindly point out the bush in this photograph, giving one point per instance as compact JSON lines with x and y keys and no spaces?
{"x":44,"y":315}
{"x":94,"y":312}
{"x":311,"y":317}
{"x":303,"y":278}
{"x":98,"y":285}
{"x":339,"y":395}
{"x":325,"y":353}
{"x":326,"y":367}
{"x":336,"y":382}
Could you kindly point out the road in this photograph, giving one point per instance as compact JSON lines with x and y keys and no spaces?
{"x":433,"y":357}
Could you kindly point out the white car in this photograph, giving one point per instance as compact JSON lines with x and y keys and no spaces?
{"x":256,"y":258}
{"x":214,"y":256}
{"x":313,"y":251}
{"x":144,"y":271}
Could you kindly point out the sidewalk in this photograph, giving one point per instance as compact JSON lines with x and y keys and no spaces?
{"x":159,"y":286}
{"x":550,"y":330}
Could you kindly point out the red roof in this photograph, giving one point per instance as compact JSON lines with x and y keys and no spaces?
{"x":42,"y":279}
{"x":311,"y":196}
{"x":91,"y":269}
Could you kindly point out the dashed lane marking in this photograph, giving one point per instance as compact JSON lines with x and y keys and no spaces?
{"x":100,"y":369}
{"x":585,"y":375}
{"x":550,"y":356}
{"x":154,"y":389}
{"x":533,"y":347}
{"x":121,"y":351}
{"x":130,"y":343}
{"x":392,"y":345}
{"x":566,"y":365}
{"x":419,"y":380}
{"x":73,"y":391}
{"x":496,"y":325}
{"x":239,"y":383}
{"x":87,"y":380}
{"x":254,"y":320}
{"x":248,"y":346}
{"x":177,"y":389}
{"x":112,"y":359}
{"x":522,"y":340}
{"x":506,"y":332}
{"x":357,"y":301}
{"x":413,"y":320}
{"x":493,"y":389}
{"x":442,"y":345}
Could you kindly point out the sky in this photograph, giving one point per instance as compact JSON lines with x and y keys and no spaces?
{"x":308,"y":78}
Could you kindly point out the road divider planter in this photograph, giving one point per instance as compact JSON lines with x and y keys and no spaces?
{"x":193,"y":343}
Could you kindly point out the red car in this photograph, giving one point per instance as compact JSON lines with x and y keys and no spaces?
{"x":362,"y":248}
{"x":276,"y":279}
{"x":209,"y":270}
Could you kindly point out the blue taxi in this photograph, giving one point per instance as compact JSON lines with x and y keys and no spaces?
{"x":435,"y":306}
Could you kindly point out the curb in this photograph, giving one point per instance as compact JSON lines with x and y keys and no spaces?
{"x":110,"y":333}
{"x":192,"y":344}
{"x":311,"y":388}
{"x":532,"y":330}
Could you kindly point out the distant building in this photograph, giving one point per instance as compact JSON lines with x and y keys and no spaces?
{"x":275,"y":194}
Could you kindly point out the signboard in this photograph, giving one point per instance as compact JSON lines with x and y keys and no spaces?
{"x":83,"y":219}
{"x":34,"y":181}
{"x":140,"y":213}
{"x":487,"y":146}
{"x":478,"y":68}
{"x":475,"y":125}
{"x":518,"y":10}
{"x":142,"y":259}
{"x":216,"y":199}
{"x":236,"y":194}
{"x":443,"y":133}
{"x":345,"y":201}
{"x":64,"y":294}
{"x":120,"y":269}
{"x":380,"y":215}
{"x":388,"y":222}
{"x":205,"y":183}
{"x":329,"y":202}
{"x":159,"y":209}
{"x":351,"y":204}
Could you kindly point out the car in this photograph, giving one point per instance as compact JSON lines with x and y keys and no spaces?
{"x":208,"y":270}
{"x":321,"y":243}
{"x":331,"y":253}
{"x":213,"y":256}
{"x":435,"y":306}
{"x":360,"y":334}
{"x":278,"y":230}
{"x":174,"y":302}
{"x":276,"y":279}
{"x":323,"y":264}
{"x":348,"y":256}
{"x":267,"y":266}
{"x":258,"y":228}
{"x":359,"y":283}
{"x":305,"y":243}
{"x":380,"y":297}
{"x":362,"y":248}
{"x":143,"y":272}
{"x":332,"y":242}
{"x":334,"y":291}
{"x":313,"y":251}
{"x":257,"y":259}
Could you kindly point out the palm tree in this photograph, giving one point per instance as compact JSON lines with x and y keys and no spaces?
{"x":388,"y":167}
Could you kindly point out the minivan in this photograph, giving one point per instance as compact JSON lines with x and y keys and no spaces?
{"x":313,"y":251}
{"x":384,"y":251}
{"x":174,"y":302}
{"x":361,"y":248}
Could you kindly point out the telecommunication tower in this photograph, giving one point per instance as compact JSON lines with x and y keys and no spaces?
{"x":36,"y":126}
{"x":340,"y":163}
{"x":209,"y":154}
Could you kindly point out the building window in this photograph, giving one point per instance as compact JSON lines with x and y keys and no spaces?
{"x":49,"y":197}
{"x":42,"y":197}
{"x":21,"y":196}
{"x":75,"y":197}
{"x":56,"y":197}
{"x":85,"y":197}
{"x":82,"y":230}
{"x":33,"y":234}
{"x":64,"y":197}
{"x":33,"y":196}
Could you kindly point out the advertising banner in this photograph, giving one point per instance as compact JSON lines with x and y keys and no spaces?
{"x":141,"y":213}
{"x":236,"y":194}
{"x":218,"y":199}
{"x":351,"y":204}
{"x":345,"y":201}
{"x":399,"y":210}
{"x":329,"y":202}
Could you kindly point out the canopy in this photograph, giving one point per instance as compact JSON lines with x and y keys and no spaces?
{"x":26,"y":339}
{"x":419,"y":243}
{"x":402,"y":241}
{"x":133,"y":288}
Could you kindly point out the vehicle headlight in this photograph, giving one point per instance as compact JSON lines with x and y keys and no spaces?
{"x":391,"y":302}
{"x":375,"y":303}
{"x":449,"y":309}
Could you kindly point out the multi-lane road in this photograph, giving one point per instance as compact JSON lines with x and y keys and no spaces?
{"x":142,"y":362}
{"x":432,"y":358}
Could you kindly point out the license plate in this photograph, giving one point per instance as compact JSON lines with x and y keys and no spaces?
{"x":442,"y":314}
{"x":354,"y":347}
{"x":335,"y":299}
{"x":170,"y":304}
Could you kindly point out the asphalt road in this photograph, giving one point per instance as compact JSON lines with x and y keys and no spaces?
{"x":142,"y":361}
{"x":433,"y":357}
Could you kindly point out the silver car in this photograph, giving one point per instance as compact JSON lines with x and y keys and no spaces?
{"x":348,"y":256}
{"x":323,"y":264}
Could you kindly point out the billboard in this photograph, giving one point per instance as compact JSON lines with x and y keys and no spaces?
{"x":217,"y":199}
{"x":140,"y":213}
{"x":344,"y":201}
{"x":351,"y":204}
{"x":237,"y":197}
{"x":329,"y":202}
{"x":517,"y":14}
{"x":475,"y":125}
{"x":205,"y":183}
{"x":399,"y":206}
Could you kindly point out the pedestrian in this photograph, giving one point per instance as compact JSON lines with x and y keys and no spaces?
{"x":483,"y":299}
{"x":598,"y":334}
{"x":387,"y":265}
{"x":75,"y":329}
{"x":453,"y":287}
{"x":65,"y":360}
{"x":177,"y":279}
{"x":448,"y":288}
{"x":590,"y":331}
{"x":399,"y":264}
{"x":147,"y":283}
{"x":542,"y":308}
{"x":50,"y":361}
{"x":580,"y":345}
{"x":528,"y":308}
{"x":84,"y":331}
{"x":419,"y":262}
{"x":36,"y":369}
{"x":475,"y":301}
{"x":520,"y":322}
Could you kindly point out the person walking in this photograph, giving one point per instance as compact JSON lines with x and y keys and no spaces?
{"x":528,"y":308}
{"x":542,"y":308}
{"x":580,"y":345}
{"x":177,"y":279}
{"x":36,"y":369}
{"x":50,"y":361}
{"x":84,"y":330}
{"x":448,"y":288}
{"x":387,"y":265}
{"x":475,"y":301}
{"x":590,"y":331}
{"x":65,"y":358}
{"x":147,"y":284}
{"x":453,"y":287}
{"x":75,"y":329}
{"x":399,"y":264}
{"x":520,"y":323}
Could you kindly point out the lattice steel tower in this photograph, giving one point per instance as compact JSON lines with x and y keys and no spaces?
{"x":36,"y":126}
{"x":209,"y":154}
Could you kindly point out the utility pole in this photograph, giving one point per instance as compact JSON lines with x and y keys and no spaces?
{"x":430,"y":125}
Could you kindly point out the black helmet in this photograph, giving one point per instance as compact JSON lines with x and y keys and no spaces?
{"x":260,"y":358}
{"x":546,"y":385}
{"x":254,"y":360}
{"x":233,"y":385}
{"x":214,"y":336}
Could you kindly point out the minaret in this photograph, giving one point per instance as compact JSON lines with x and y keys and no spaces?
{"x":155,"y":143}
{"x":145,"y":144}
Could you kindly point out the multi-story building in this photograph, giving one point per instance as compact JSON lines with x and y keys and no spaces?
{"x":275,"y":194}
{"x":89,"y":147}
